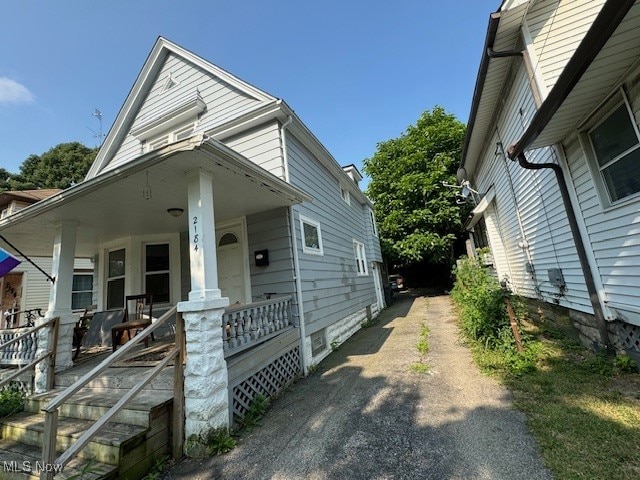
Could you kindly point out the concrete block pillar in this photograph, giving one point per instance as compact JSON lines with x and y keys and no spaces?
{"x":205,"y":374}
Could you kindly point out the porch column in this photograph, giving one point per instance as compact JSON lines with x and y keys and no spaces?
{"x":205,"y":375}
{"x":64,"y":248}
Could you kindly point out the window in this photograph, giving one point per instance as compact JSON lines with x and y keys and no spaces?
{"x":374,"y":227}
{"x":617,"y":153}
{"x":115,"y":279}
{"x":81,"y":290}
{"x":361,"y":258}
{"x":157,"y":273}
{"x":311,"y":236}
{"x":344,"y":193}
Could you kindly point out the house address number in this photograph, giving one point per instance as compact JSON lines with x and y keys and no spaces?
{"x":196,"y":235}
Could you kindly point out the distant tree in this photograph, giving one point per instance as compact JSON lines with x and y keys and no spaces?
{"x":418,"y":217}
{"x":4,"y":179}
{"x":60,"y":167}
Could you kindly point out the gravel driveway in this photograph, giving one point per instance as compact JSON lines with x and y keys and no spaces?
{"x":364,"y":414}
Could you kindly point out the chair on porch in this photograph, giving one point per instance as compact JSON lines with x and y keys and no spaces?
{"x":135,"y":318}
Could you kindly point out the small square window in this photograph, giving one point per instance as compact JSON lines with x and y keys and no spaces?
{"x":616,"y":149}
{"x":311,"y":236}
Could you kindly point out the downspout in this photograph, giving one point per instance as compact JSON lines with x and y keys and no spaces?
{"x":294,"y":246}
{"x":578,"y":240}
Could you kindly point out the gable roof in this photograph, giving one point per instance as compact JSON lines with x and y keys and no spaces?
{"x":145,"y":80}
{"x":27,"y":196}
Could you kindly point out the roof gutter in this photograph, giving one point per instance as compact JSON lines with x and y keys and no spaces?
{"x":605,"y":24}
{"x":492,"y":29}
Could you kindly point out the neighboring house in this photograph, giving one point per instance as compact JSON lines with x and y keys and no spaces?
{"x":214,"y":196}
{"x":25,"y":287}
{"x":553,"y":149}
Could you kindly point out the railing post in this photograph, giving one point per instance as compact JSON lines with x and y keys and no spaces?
{"x":51,"y":374}
{"x":49,"y":444}
{"x":178,"y":390}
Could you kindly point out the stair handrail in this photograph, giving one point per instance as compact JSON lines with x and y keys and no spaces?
{"x":51,"y":410}
{"x":54,"y":323}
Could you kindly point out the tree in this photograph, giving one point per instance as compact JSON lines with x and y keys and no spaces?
{"x":4,"y":180}
{"x":418,"y":217}
{"x":59,"y":167}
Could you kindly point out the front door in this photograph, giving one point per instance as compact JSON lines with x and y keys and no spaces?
{"x":231,"y":271}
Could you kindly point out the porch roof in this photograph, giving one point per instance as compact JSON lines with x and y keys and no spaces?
{"x":112,"y":205}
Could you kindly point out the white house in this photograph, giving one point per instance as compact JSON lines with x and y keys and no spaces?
{"x":215,"y":197}
{"x":552,"y":147}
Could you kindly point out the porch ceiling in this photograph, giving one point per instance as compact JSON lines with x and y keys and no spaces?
{"x":112,"y":205}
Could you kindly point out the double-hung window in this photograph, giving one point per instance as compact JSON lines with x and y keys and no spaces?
{"x":361,"y":258}
{"x":81,"y":290}
{"x":157,"y":274}
{"x":115,"y":278}
{"x":616,"y":147}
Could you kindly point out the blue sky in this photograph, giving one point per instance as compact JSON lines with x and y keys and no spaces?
{"x":356,"y":72}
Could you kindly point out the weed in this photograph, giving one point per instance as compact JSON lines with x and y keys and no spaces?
{"x":335,"y":345}
{"x":625,"y":364}
{"x":369,"y":322}
{"x":419,"y":367}
{"x":11,"y":401}
{"x":256,"y":411}
{"x":423,"y":343}
{"x":220,"y":441}
{"x":158,"y":468}
{"x":312,"y":368}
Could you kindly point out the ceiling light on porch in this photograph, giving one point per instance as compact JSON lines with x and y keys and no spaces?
{"x":175,"y":212}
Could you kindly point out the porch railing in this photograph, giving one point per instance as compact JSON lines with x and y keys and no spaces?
{"x":244,"y":326}
{"x":19,"y":347}
{"x":51,"y":410}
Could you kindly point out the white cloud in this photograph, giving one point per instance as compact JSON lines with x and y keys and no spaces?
{"x":14,"y":92}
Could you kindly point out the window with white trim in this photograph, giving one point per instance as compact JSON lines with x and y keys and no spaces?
{"x":361,"y":258}
{"x":157,"y":274}
{"x":615,"y":143}
{"x":344,"y":193}
{"x":81,"y":290}
{"x":374,"y":227}
{"x":115,"y":278}
{"x":167,"y":138}
{"x":311,"y":236}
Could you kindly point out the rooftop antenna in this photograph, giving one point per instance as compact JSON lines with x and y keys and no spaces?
{"x":98,"y":135}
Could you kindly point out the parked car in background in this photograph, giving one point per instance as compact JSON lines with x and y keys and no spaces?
{"x":396,"y":282}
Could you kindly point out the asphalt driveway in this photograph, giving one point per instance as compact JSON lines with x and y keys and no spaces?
{"x":364,"y":414}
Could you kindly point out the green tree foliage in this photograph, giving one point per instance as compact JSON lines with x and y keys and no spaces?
{"x":418,"y":217}
{"x":4,"y":179}
{"x":60,"y":167}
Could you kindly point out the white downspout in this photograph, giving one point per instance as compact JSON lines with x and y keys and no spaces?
{"x":296,"y":261}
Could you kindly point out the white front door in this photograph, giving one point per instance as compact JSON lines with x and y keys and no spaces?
{"x":231,"y":265}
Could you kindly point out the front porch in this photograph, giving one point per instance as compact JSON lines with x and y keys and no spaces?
{"x":120,"y":218}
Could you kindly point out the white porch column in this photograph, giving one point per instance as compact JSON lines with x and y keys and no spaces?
{"x":205,"y":374}
{"x":64,"y":248}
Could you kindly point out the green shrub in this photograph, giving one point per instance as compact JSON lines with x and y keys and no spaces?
{"x":11,"y":401}
{"x":480,"y":300}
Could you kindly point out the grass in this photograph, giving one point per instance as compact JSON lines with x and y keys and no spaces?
{"x":583,"y":408}
{"x":423,"y":348}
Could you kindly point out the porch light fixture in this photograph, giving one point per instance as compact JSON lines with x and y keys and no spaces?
{"x":175,"y":212}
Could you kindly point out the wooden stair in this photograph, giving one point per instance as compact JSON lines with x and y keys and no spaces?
{"x":126,"y":448}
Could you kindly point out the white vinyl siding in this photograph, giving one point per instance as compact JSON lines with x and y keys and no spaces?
{"x":557,"y":28}
{"x":222,"y":100}
{"x":261,"y":145}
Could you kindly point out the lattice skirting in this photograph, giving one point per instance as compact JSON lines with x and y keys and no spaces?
{"x":268,"y":381}
{"x":629,"y":336}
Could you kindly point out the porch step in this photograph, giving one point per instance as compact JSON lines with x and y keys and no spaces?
{"x":88,"y":404}
{"x":117,"y":378}
{"x":130,"y":445}
{"x":21,"y":461}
